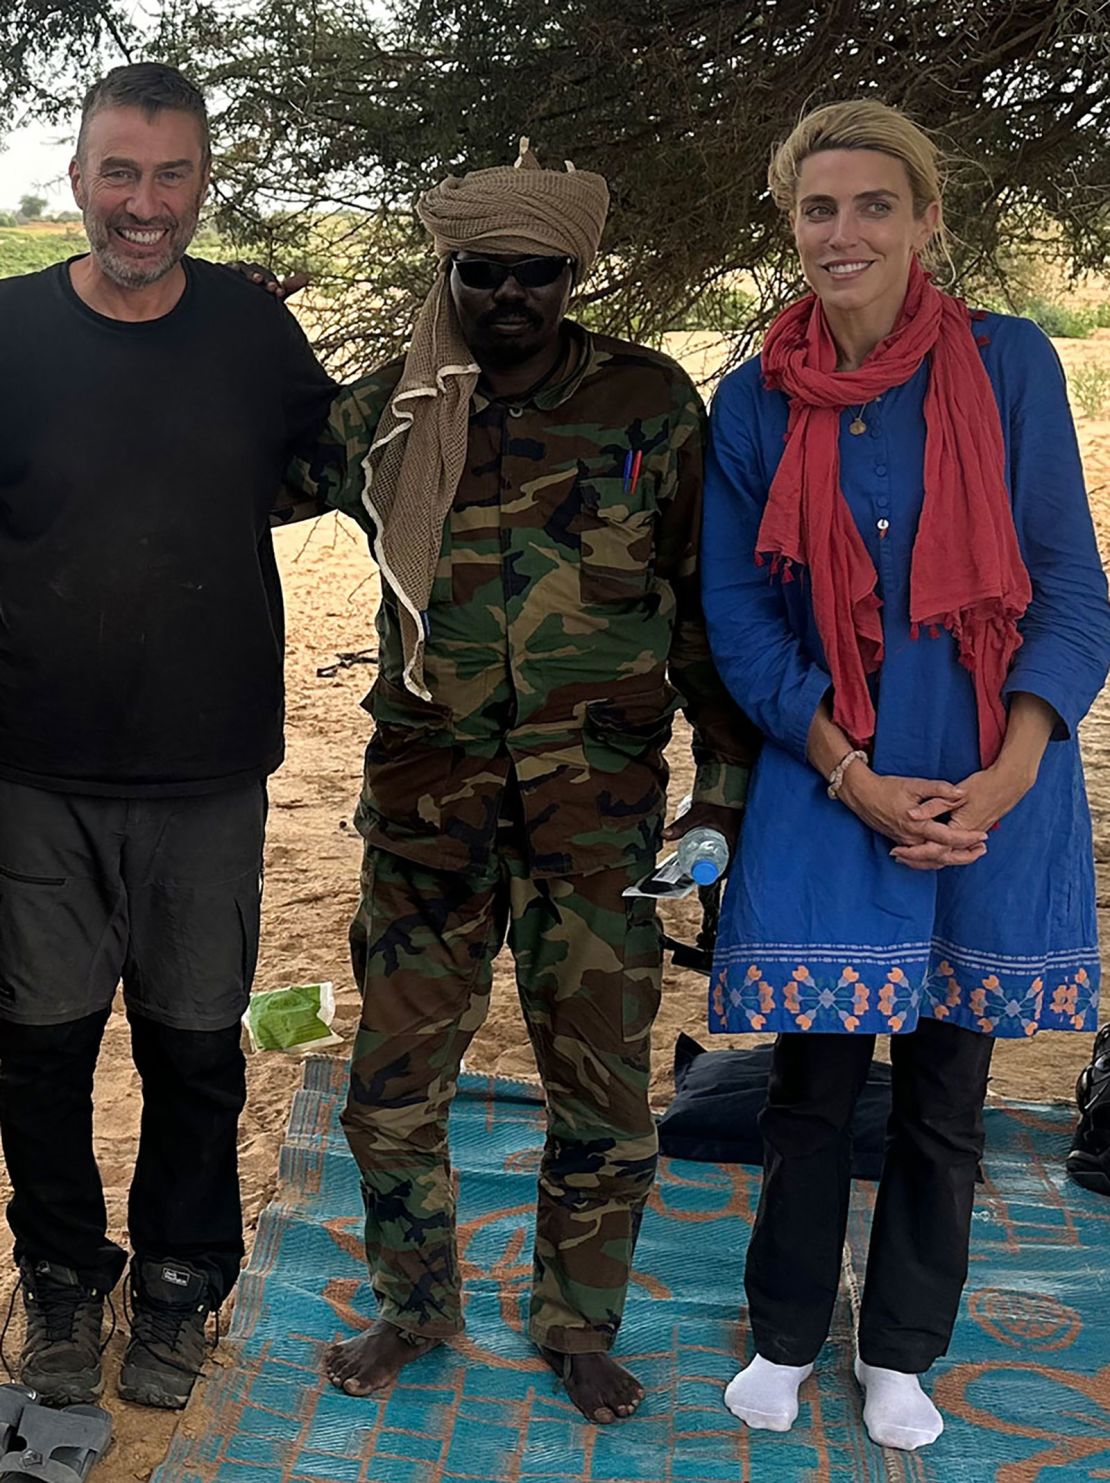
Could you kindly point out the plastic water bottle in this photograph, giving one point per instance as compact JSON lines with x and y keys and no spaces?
{"x":703,"y":855}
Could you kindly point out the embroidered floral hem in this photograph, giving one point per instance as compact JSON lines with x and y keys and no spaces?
{"x":787,"y":987}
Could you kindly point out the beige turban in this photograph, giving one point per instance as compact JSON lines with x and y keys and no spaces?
{"x":416,"y":459}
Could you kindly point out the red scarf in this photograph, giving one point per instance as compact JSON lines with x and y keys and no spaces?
{"x":967,"y":574}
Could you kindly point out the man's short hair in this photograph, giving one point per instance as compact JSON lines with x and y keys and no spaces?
{"x":151,"y":86}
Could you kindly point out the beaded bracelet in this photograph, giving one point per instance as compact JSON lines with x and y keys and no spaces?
{"x":836,"y":777}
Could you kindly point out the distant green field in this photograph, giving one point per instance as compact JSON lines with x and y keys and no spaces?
{"x":27,"y":249}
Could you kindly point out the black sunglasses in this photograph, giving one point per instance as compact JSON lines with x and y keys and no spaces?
{"x":530,"y":272}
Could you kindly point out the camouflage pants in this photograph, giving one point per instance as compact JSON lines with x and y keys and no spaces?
{"x":588,"y":974}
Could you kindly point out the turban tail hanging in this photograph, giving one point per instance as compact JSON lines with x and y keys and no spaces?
{"x":416,"y":459}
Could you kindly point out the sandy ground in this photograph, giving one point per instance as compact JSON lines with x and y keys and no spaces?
{"x":312,"y":866}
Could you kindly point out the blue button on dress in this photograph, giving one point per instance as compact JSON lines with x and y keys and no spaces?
{"x":820,"y":929}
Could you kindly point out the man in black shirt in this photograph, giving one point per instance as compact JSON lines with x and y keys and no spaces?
{"x":149,"y":403}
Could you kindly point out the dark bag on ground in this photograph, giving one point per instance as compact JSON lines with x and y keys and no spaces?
{"x":1089,"y":1159}
{"x":719,"y":1095}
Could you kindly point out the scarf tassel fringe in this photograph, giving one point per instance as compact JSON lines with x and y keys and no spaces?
{"x":967,"y":625}
{"x":781,"y":566}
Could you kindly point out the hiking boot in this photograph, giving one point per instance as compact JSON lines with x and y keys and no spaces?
{"x":170,"y":1304}
{"x":61,"y":1352}
{"x":1089,"y":1159}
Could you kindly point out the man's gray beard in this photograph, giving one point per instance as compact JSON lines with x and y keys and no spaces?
{"x":124,"y":274}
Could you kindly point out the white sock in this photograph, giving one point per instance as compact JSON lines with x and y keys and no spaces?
{"x":896,"y":1411}
{"x":765,"y":1395}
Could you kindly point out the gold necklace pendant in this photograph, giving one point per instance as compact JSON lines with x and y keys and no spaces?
{"x":857,"y":426}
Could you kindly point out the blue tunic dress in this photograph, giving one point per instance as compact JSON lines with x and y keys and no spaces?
{"x":820,"y":929}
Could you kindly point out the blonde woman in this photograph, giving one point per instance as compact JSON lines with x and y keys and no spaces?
{"x":903,"y":590}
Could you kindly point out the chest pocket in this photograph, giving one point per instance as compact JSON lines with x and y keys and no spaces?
{"x":616,"y":528}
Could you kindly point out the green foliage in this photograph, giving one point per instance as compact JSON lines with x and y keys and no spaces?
{"x":1034,"y":277}
{"x":27,"y":249}
{"x":32,"y":207}
{"x":1059,"y":318}
{"x":726,"y":310}
{"x":1089,"y":388}
{"x":342,"y":107}
{"x":50,"y":52}
{"x":331,"y":116}
{"x":1064,"y":322}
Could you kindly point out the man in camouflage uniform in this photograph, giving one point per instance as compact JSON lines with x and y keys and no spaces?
{"x":523,"y":789}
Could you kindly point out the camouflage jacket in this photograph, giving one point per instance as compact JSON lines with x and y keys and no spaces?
{"x":564,"y":625}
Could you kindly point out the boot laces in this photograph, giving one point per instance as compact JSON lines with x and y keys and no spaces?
{"x":161,"y":1326}
{"x":56,"y":1308}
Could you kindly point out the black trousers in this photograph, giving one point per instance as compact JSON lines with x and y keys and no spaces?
{"x":917,"y":1261}
{"x":184,"y":1199}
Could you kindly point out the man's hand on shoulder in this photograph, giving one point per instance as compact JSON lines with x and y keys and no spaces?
{"x":281,"y":288}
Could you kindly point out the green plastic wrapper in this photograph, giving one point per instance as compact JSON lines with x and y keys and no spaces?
{"x":296,"y":1019}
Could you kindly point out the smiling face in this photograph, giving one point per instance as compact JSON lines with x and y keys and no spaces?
{"x":140,"y":181}
{"x":857,"y":232}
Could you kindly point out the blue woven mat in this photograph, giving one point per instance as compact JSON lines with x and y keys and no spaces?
{"x":1025,"y":1389}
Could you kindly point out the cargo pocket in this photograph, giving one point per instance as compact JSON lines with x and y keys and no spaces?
{"x":635,"y":722}
{"x":623,"y":738}
{"x":32,"y":880}
{"x":409,"y":763}
{"x":193,"y":950}
{"x":48,"y":935}
{"x":616,"y":530}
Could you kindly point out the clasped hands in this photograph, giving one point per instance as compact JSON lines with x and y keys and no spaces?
{"x":932,"y":823}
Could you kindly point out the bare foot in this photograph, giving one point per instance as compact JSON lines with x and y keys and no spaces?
{"x":373,"y":1359}
{"x":601,"y":1389}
